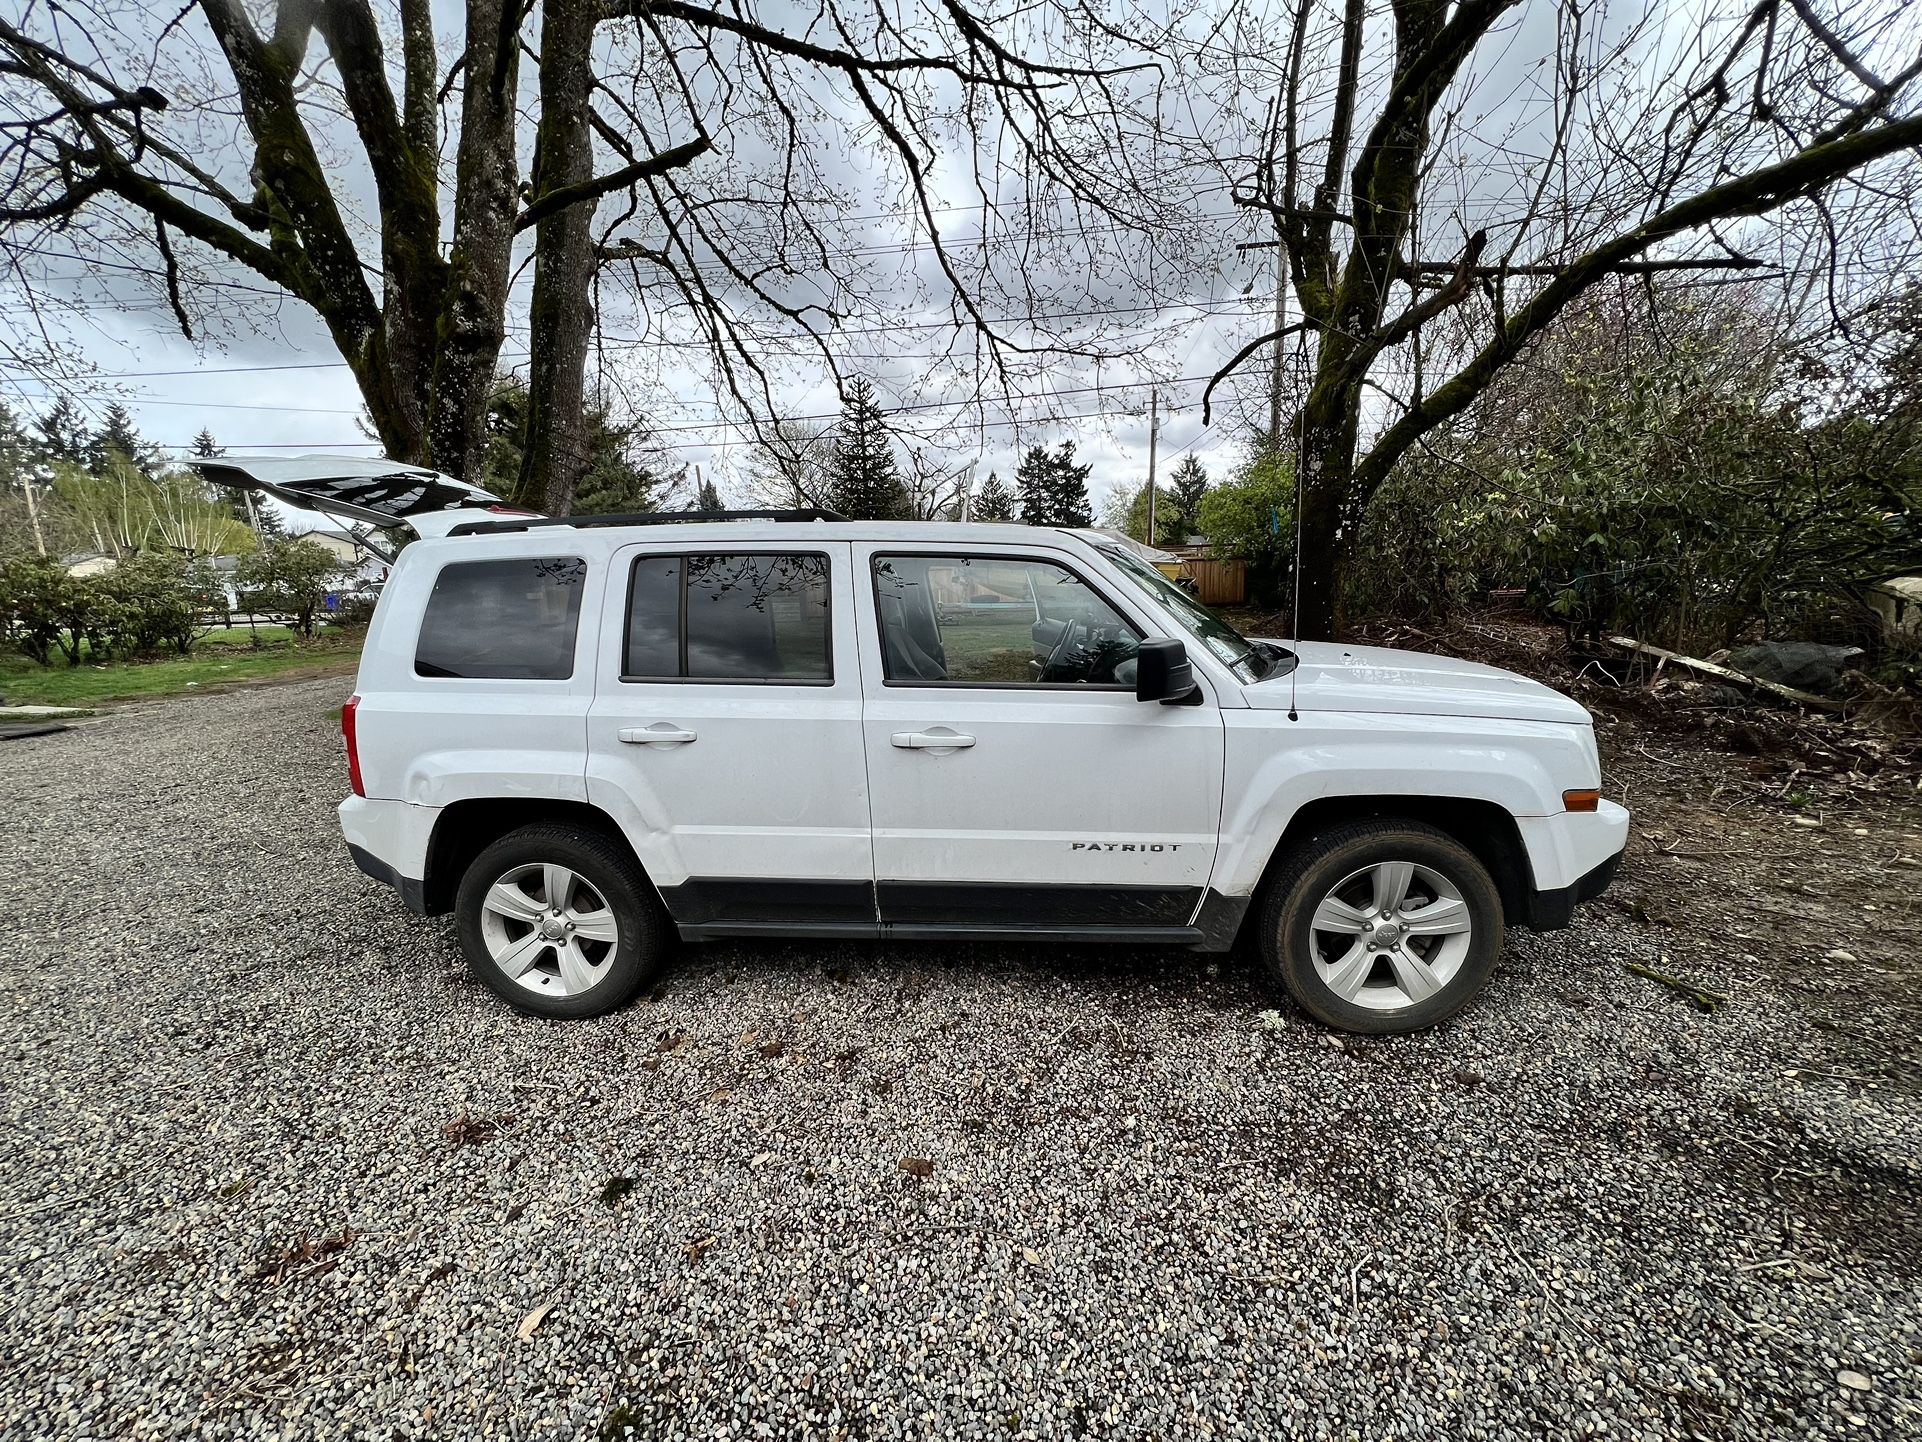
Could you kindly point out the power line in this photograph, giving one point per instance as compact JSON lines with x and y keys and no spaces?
{"x":1099,"y":387}
{"x":1005,"y":423}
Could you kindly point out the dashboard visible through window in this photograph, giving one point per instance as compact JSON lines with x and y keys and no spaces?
{"x":997,"y":621}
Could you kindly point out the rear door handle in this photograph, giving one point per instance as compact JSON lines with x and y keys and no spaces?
{"x":931,"y":740}
{"x":659,"y":734}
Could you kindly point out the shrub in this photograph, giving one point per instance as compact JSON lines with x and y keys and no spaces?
{"x":158,"y":603}
{"x":288,"y":577}
{"x":46,"y":610}
{"x":353,"y":612}
{"x":1252,"y":515}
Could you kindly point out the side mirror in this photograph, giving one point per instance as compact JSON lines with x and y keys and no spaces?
{"x":1162,"y":672}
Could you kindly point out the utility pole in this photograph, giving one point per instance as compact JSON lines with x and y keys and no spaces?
{"x":1154,"y":431}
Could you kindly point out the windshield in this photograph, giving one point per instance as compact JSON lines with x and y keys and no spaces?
{"x":1251,"y":661}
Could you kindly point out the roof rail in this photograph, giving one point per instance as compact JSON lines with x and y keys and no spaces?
{"x":649,"y":518}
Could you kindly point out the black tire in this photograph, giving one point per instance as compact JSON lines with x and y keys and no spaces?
{"x":1312,"y":870}
{"x":607,"y":866}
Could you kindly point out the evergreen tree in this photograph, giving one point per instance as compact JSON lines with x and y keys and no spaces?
{"x":204,"y":447}
{"x":18,"y":458}
{"x":863,"y":481}
{"x":1188,"y":485}
{"x":708,"y":498}
{"x":63,"y":432}
{"x":996,"y":501}
{"x":1053,"y":489}
{"x":1131,"y":519}
{"x":118,"y":436}
{"x":617,"y":482}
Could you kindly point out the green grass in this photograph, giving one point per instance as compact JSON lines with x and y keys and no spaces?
{"x":239,"y":635}
{"x":221,"y":658}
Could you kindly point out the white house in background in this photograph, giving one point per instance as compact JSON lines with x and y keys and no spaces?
{"x":89,"y":563}
{"x":367,"y":568}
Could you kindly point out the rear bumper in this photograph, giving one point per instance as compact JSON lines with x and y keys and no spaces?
{"x":412,"y":891}
{"x":388,"y":841}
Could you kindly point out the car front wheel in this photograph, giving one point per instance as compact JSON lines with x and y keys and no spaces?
{"x":559,"y":921}
{"x":1382,"y":926}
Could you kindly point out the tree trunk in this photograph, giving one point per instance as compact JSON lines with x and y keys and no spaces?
{"x":1326,"y":430}
{"x":560,"y":317}
{"x":473,"y":320}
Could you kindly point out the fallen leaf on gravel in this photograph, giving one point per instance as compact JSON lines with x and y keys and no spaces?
{"x":534,"y":1318}
{"x":468,"y":1131}
{"x":1031,"y":1256}
{"x":917,"y":1166}
{"x":697,"y":1249}
{"x":1838,"y":955}
{"x":774,"y":1049}
{"x":671,"y":1041}
{"x":723,"y":1095}
{"x":1468,"y":1078}
{"x":1855,"y":1381}
{"x":236,"y":1188}
{"x":514,"y":1212}
{"x":306,"y":1258}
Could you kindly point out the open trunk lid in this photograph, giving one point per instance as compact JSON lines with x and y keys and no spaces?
{"x":384,"y":495}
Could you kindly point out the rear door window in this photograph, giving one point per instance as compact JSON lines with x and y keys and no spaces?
{"x":731,"y":617}
{"x":510,"y":620}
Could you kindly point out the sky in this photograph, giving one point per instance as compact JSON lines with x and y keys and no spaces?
{"x":261,"y":373}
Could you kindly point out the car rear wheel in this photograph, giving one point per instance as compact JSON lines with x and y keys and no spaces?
{"x":1382,"y":926}
{"x":559,"y":921}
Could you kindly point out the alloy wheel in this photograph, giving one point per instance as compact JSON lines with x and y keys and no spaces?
{"x":548,"y":929}
{"x":1389,"y":935}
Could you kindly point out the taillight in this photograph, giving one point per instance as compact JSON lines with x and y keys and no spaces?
{"x":350,"y":730}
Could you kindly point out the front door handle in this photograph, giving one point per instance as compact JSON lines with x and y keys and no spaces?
{"x":659,"y":734}
{"x":941,"y":740}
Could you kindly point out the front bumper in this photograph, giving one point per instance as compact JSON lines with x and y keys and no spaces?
{"x":1552,"y":910}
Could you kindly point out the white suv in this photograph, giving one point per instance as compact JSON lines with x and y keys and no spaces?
{"x":582,"y":736}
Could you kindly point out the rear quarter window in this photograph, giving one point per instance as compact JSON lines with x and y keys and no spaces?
{"x":512,"y":620}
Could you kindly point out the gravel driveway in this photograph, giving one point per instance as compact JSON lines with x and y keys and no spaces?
{"x":274,"y":1166}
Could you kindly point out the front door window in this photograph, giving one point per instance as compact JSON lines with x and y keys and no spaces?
{"x":997,"y":621}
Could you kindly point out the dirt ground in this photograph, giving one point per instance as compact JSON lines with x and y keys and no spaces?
{"x":1791,"y":844}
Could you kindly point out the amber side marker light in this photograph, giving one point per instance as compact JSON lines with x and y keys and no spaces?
{"x":1581,"y":800}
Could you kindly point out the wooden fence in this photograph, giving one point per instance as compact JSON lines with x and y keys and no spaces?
{"x":1220,"y":582}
